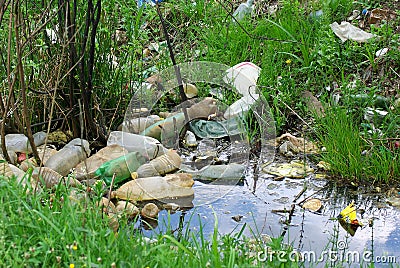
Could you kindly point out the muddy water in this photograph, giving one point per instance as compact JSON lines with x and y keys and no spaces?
{"x":307,"y":231}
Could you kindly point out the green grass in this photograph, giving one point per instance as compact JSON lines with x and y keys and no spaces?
{"x":353,"y":156}
{"x":49,"y":230}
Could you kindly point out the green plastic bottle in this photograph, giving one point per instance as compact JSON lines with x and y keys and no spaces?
{"x":122,"y":167}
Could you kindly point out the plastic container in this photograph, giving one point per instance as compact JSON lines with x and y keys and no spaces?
{"x":68,"y":157}
{"x":137,"y":125}
{"x":161,"y":165}
{"x":19,"y":143}
{"x":148,"y":147}
{"x":241,"y":106}
{"x":243,"y":77}
{"x":122,"y":167}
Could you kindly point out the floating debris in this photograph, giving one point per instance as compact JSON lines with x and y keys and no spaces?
{"x":349,"y":214}
{"x":312,"y":204}
{"x":393,"y":201}
{"x":282,"y":200}
{"x":290,"y":145}
{"x":294,"y":169}
{"x":171,"y":207}
{"x":230,"y":171}
{"x":237,"y":218}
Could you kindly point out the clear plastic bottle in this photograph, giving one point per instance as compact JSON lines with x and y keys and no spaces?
{"x":19,"y":143}
{"x":149,"y":147}
{"x":68,"y":157}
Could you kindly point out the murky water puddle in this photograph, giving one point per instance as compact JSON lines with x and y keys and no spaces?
{"x":309,"y":232}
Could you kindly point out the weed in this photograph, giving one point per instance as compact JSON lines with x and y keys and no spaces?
{"x":350,"y":155}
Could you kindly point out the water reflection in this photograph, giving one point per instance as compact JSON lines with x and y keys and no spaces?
{"x":307,"y":231}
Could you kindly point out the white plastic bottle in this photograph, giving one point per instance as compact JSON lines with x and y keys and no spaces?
{"x":149,"y":147}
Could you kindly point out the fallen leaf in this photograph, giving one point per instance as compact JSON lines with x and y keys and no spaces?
{"x":313,"y":204}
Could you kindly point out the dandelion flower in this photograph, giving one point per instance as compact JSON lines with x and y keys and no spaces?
{"x":72,"y":265}
{"x":288,"y":61}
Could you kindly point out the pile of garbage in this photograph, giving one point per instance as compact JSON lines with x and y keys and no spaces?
{"x":140,"y":170}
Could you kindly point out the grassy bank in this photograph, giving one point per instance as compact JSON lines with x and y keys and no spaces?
{"x":55,"y":230}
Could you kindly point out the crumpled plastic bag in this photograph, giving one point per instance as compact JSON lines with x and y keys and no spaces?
{"x":347,"y":31}
{"x":217,"y":129}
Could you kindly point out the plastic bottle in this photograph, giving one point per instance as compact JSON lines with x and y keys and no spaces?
{"x":149,"y":147}
{"x":137,"y":125}
{"x":243,"y":77}
{"x":122,"y":167}
{"x":19,"y":143}
{"x":241,"y":106}
{"x":161,"y":165}
{"x":68,"y":157}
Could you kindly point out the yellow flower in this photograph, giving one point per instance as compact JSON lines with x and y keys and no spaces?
{"x":75,"y":247}
{"x":288,"y":61}
{"x":72,"y":265}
